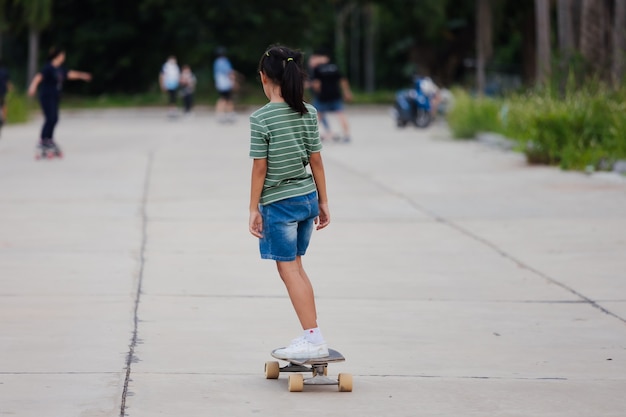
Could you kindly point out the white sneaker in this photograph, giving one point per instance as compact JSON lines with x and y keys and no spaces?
{"x":301,"y":348}
{"x":297,"y":340}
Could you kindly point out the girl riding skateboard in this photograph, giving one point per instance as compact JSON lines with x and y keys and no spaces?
{"x":286,"y":201}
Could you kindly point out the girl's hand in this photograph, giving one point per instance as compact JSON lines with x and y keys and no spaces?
{"x":324,"y":218}
{"x":256,"y":224}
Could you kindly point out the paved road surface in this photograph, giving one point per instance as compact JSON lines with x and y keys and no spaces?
{"x":456,"y":280}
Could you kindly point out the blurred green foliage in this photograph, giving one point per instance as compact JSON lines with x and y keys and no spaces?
{"x":18,"y":107}
{"x":470,"y":115}
{"x":124,"y":43}
{"x":582,"y":128}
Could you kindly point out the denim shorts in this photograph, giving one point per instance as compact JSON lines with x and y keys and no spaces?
{"x":328,"y":106}
{"x":287,"y":227}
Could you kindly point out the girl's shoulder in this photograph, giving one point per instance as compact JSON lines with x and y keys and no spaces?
{"x":260,"y":111}
{"x":312,"y":110}
{"x":271,"y":109}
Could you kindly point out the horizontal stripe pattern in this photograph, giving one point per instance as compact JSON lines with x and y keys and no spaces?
{"x":286,"y":139}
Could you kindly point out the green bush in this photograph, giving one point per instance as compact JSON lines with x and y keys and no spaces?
{"x":469,"y":115}
{"x":582,"y":128}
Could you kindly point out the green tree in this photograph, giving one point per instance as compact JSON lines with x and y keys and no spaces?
{"x":380,"y":43}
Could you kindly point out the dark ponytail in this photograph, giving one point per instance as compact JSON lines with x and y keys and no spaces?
{"x":54,"y":52}
{"x":284,"y":67}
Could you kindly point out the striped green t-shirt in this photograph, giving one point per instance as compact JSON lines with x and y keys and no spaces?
{"x":286,"y":140}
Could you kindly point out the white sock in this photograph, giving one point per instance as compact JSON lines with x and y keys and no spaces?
{"x":314,"y":336}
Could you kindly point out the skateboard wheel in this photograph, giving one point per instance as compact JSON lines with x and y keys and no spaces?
{"x":272,"y":370}
{"x":296,"y":383}
{"x":345,"y":382}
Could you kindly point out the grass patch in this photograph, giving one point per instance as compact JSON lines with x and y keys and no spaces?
{"x":249,"y":94}
{"x":376,"y":97}
{"x":112,"y":100}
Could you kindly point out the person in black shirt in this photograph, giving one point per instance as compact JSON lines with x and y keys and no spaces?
{"x":5,"y":86}
{"x":51,"y":78}
{"x":330,"y":88}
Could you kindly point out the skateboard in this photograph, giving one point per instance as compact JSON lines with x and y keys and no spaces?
{"x":318,"y":367}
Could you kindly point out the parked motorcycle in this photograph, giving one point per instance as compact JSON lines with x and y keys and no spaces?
{"x":412,"y":106}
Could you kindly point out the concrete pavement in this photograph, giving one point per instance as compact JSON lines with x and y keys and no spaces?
{"x":457,"y":280}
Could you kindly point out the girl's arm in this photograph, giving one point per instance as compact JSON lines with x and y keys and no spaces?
{"x":259,"y":170}
{"x":32,"y":88}
{"x":78,"y":75}
{"x":317,"y":169}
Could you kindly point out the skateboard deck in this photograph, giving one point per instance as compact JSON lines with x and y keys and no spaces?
{"x":333,"y":356}
{"x":317,"y":366}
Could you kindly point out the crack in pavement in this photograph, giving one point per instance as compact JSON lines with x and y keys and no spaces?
{"x":130,"y":358}
{"x":440,"y":219}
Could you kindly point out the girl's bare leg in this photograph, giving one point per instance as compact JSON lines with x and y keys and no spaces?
{"x":300,"y":291}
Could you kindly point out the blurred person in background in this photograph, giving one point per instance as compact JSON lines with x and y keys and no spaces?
{"x":5,"y":86}
{"x":50,"y":79}
{"x":188,"y":86}
{"x":331,"y":88}
{"x":428,"y":87}
{"x":312,"y":63}
{"x":169,"y":80}
{"x":225,"y":78}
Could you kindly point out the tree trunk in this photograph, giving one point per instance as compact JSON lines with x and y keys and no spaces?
{"x":566,"y":40}
{"x":594,"y":40}
{"x":566,"y":29}
{"x":355,"y":43}
{"x":369,"y":52}
{"x":619,"y":42}
{"x":33,"y":53}
{"x":483,"y":42}
{"x":542,"y":22}
{"x":577,"y":11}
{"x":529,"y":47}
{"x":340,"y":38}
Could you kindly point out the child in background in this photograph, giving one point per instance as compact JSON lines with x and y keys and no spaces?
{"x":50,"y":83}
{"x":188,"y":85}
{"x":169,"y":79}
{"x":286,"y":201}
{"x":224,"y":75}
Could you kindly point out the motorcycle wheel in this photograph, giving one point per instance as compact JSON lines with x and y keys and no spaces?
{"x":423,"y":118}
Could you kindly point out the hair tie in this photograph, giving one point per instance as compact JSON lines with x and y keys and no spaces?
{"x":289,"y":59}
{"x":267,"y":53}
